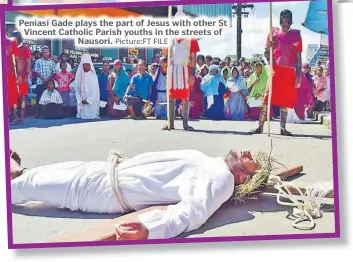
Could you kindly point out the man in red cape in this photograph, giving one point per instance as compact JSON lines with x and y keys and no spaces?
{"x":287,"y":48}
{"x":25,"y":63}
{"x":13,"y":75}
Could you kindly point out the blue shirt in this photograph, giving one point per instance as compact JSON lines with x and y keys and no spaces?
{"x":142,"y":85}
{"x":103,"y":80}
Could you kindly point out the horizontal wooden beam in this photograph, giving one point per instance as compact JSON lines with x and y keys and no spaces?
{"x":287,"y":171}
{"x":103,"y":231}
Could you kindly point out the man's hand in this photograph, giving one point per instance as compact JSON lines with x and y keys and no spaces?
{"x":298,"y":82}
{"x":257,"y":80}
{"x":19,"y":80}
{"x":191,"y":80}
{"x":157,"y":102}
{"x":131,"y":231}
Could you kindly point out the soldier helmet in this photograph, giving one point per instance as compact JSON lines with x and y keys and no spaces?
{"x":288,"y":14}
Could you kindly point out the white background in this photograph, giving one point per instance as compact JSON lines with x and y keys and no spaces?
{"x":292,"y":250}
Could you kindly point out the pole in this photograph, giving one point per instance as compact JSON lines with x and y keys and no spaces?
{"x":270,"y":75}
{"x":16,"y":74}
{"x":169,"y":70}
{"x":239,"y":30}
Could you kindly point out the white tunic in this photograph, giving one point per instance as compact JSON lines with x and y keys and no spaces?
{"x":91,"y":94}
{"x":181,"y":60}
{"x":194,"y":185}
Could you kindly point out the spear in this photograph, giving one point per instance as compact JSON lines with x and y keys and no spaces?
{"x":270,"y":75}
{"x":169,"y":71}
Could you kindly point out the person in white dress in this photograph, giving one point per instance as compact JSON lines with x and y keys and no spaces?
{"x":183,"y":57}
{"x":192,"y":184}
{"x":87,"y":89}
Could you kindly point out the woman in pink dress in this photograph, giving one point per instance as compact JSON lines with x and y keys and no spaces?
{"x":197,"y":96}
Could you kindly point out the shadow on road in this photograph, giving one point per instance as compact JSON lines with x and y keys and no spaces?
{"x":229,"y":213}
{"x":321,"y":137}
{"x":276,"y":135}
{"x":41,"y":210}
{"x":45,"y":123}
{"x":220,"y":132}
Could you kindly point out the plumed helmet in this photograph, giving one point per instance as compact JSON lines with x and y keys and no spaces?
{"x":180,"y":12}
{"x":286,"y":13}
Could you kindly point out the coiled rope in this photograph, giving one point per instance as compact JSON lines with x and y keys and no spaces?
{"x":306,"y":206}
{"x":115,"y":157}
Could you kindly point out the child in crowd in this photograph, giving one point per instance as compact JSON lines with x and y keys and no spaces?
{"x":51,"y":102}
{"x":64,"y":79}
{"x":319,"y":90}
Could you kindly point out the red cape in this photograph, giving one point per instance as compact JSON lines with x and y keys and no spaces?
{"x":284,"y":92}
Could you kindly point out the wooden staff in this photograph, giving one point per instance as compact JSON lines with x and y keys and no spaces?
{"x":270,"y":75}
{"x":169,"y":70}
{"x":16,"y":74}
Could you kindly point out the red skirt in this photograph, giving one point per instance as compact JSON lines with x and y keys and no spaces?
{"x":181,"y":93}
{"x":284,"y":92}
{"x":12,"y":90}
{"x":23,"y":89}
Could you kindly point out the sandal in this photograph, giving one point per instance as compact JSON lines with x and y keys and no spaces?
{"x":189,"y":128}
{"x":15,"y":156}
{"x":285,"y":132}
{"x":258,"y":130}
{"x":167,"y":128}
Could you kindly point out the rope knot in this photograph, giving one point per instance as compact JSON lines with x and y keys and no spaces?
{"x":115,"y":157}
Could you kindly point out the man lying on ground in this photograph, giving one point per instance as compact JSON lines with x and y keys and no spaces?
{"x":193,"y":184}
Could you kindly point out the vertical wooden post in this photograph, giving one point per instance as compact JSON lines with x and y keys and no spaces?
{"x":270,"y":75}
{"x":169,"y":70}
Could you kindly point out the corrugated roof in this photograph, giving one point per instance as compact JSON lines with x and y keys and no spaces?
{"x":209,"y":10}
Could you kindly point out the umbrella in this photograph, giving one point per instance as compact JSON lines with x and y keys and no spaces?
{"x":316,"y":19}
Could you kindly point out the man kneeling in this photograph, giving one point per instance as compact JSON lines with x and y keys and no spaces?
{"x":193,"y":184}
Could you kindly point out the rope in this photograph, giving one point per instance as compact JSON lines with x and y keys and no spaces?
{"x":306,"y":206}
{"x":116,"y":157}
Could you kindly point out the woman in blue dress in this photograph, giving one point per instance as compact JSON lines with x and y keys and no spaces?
{"x":213,"y":86}
{"x":236,"y":107}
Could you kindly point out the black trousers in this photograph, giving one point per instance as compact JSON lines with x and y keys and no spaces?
{"x":52,"y":111}
{"x":318,"y":107}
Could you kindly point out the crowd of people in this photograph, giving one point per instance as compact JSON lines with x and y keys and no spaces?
{"x":223,"y":89}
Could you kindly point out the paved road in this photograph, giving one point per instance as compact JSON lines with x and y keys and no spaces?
{"x":42,"y":142}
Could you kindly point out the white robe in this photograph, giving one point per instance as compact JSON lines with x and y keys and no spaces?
{"x":181,"y":59}
{"x":191,"y":183}
{"x":91,"y":94}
